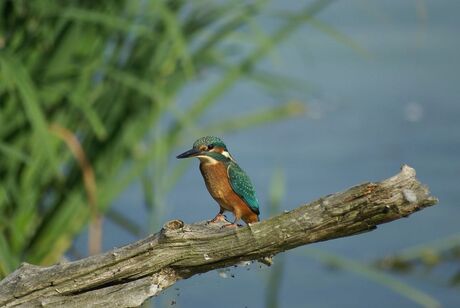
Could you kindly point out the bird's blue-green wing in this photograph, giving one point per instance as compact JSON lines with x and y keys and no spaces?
{"x":242,"y":186}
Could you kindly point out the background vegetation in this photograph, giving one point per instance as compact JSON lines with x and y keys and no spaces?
{"x":87,"y":98}
{"x":88,"y":94}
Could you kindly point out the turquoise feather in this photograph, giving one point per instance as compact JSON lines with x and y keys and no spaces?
{"x":209,"y":140}
{"x":242,"y":186}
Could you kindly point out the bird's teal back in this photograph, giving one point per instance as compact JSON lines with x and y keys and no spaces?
{"x":242,"y":186}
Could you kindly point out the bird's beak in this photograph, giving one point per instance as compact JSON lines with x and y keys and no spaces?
{"x":189,"y":153}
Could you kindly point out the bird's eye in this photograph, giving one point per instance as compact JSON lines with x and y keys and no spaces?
{"x":210,"y":147}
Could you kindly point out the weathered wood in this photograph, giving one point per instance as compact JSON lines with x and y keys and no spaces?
{"x":127,"y":276}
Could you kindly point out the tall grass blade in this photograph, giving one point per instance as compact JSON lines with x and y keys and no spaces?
{"x":7,"y":261}
{"x":238,"y":70}
{"x":403,"y":289}
{"x":277,"y":192}
{"x":14,"y":70}
{"x":266,"y":115}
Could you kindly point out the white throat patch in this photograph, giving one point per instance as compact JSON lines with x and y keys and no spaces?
{"x":207,"y":160}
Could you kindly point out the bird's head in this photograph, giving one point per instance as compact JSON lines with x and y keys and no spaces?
{"x":208,"y":148}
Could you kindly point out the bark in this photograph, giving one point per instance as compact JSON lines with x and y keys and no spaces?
{"x":127,"y":276}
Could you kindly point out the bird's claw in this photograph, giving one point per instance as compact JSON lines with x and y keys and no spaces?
{"x":218,"y":218}
{"x":232,"y":225}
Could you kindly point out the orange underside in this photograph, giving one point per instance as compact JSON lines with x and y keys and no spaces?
{"x":216,"y":180}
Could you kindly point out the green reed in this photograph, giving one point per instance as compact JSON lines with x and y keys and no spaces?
{"x":85,"y":87}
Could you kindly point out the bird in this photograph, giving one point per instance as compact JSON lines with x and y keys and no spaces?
{"x":226,"y":182}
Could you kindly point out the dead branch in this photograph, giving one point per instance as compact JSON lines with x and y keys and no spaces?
{"x":127,"y":276}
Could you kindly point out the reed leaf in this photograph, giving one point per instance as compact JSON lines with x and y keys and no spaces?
{"x":421,"y":298}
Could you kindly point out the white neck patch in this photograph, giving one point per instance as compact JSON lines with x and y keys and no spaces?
{"x":226,"y":154}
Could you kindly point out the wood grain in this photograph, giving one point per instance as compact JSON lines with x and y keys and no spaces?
{"x":127,"y":276}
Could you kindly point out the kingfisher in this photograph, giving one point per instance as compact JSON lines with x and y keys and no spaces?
{"x":227,"y":183}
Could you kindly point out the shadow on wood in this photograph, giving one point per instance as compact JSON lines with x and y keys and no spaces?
{"x":127,"y":276}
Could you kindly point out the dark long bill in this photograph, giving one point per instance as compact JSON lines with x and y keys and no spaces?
{"x":189,"y":153}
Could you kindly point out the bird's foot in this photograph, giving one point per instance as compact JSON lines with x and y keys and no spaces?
{"x":218,"y":218}
{"x":232,"y":225}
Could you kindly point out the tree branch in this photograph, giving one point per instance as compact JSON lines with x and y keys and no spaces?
{"x":127,"y":276}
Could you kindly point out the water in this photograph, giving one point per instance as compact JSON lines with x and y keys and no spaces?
{"x":367,"y":116}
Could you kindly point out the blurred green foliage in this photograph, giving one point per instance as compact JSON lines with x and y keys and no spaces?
{"x":87,"y":105}
{"x":425,"y":261}
{"x":275,"y":276}
{"x":337,"y":262}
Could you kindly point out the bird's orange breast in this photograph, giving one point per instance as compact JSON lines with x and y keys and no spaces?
{"x":218,"y":185}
